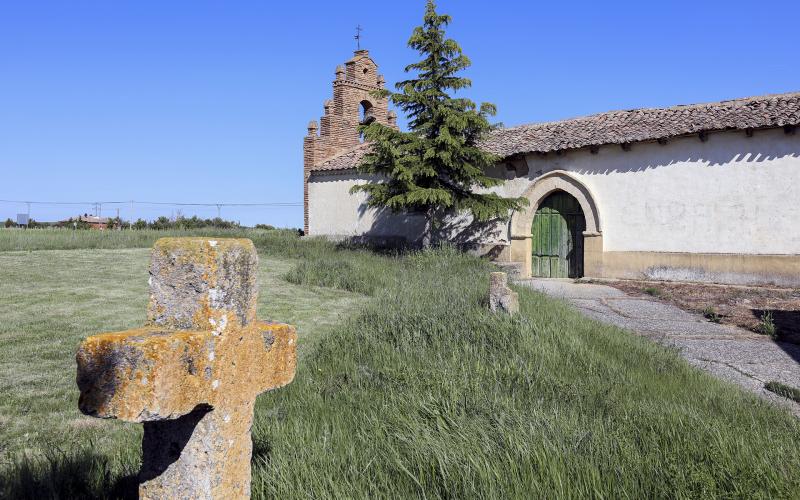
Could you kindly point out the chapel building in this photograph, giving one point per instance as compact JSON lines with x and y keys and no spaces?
{"x":705,"y":192}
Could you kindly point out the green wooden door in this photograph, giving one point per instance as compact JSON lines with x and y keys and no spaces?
{"x":558,"y":237}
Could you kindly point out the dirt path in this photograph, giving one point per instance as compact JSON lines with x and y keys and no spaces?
{"x":728,"y":352}
{"x":732,"y":305}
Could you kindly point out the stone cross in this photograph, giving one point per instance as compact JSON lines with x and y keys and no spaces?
{"x":192,"y":374}
{"x":359,"y":29}
{"x":501,"y":297}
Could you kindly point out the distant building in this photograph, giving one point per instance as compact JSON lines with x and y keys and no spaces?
{"x":94,"y":221}
{"x":705,"y":192}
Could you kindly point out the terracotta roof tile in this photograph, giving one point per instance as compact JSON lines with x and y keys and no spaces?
{"x":621,"y":127}
{"x":343,"y":161}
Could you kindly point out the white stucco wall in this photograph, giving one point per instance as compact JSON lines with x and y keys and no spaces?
{"x":730,"y":194}
{"x":333,"y":211}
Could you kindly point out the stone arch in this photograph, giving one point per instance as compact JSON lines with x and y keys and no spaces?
{"x":520,"y":229}
{"x":557,"y":180}
{"x":367,"y":114}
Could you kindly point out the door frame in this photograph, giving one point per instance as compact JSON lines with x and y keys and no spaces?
{"x":522,"y":221}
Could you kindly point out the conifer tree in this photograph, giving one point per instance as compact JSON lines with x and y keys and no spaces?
{"x":435,"y":167}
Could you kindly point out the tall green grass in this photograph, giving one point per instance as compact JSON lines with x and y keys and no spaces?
{"x":73,"y":474}
{"x":424,"y":393}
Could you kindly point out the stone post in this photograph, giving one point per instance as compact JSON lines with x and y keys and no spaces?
{"x":501,"y":297}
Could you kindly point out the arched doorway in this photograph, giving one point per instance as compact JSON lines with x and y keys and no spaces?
{"x":522,"y":222}
{"x":557,"y":237}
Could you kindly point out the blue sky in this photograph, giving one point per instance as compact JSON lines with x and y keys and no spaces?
{"x":208,"y":101}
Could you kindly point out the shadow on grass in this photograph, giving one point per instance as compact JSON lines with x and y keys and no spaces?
{"x":68,"y":475}
{"x":262,"y":448}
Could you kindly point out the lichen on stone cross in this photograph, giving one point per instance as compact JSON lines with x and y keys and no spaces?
{"x":192,"y":374}
{"x":501,"y":297}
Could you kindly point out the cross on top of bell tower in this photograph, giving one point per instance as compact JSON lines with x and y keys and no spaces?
{"x":359,"y":29}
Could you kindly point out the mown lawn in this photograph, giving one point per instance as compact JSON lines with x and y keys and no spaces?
{"x":51,"y":299}
{"x":414,"y":391}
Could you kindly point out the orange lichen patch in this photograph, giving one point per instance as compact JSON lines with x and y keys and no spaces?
{"x":142,"y":374}
{"x":203,"y":313}
{"x":148,"y":374}
{"x":281,"y":361}
{"x":247,"y":362}
{"x":196,"y":249}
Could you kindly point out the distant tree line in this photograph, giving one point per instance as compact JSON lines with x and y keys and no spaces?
{"x":181,"y":222}
{"x":161,"y":223}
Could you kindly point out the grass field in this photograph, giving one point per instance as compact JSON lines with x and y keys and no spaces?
{"x":406,"y":387}
{"x":66,"y":239}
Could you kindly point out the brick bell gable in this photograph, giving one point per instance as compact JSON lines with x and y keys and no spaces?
{"x":352,"y":104}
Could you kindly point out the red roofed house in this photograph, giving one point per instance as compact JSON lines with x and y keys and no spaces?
{"x":94,"y":221}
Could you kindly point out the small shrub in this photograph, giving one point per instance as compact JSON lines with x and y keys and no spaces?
{"x":114,"y":223}
{"x":652,"y":291}
{"x":767,"y":325}
{"x":783,"y":390}
{"x":711,"y":314}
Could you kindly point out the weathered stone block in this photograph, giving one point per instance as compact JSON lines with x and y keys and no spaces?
{"x":196,"y":282}
{"x":501,"y":297}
